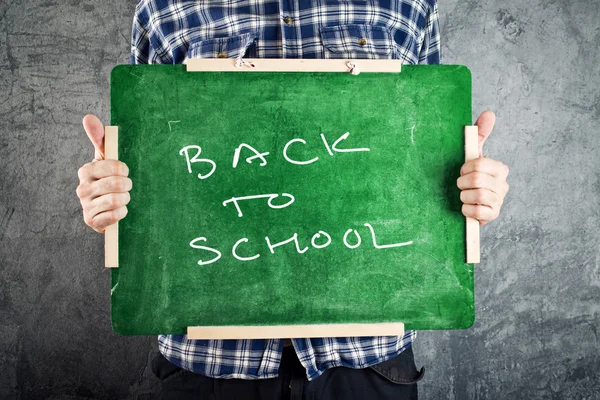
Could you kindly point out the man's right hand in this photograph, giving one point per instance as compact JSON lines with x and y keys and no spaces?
{"x":103,"y":184}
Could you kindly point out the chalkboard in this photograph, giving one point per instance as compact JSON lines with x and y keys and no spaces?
{"x":336,"y":192}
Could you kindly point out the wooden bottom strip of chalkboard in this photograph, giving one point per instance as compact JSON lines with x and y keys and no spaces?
{"x":471,"y":153}
{"x":295,"y":331}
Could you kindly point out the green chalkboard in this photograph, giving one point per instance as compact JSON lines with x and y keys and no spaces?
{"x":398,"y":185}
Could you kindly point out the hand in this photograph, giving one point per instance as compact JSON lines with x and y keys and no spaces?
{"x":483,"y":180}
{"x":103,"y":184}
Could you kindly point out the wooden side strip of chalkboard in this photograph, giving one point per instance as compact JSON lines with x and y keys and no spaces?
{"x":295,"y":331}
{"x":111,"y":234}
{"x":471,"y":153}
{"x":291,"y":65}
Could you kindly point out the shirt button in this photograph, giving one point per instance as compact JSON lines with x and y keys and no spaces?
{"x":287,"y":20}
{"x":222,"y":55}
{"x":362,"y":41}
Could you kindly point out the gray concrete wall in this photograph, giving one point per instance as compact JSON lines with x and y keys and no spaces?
{"x":535,"y":63}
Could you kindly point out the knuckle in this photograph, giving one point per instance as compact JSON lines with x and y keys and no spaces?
{"x":119,"y":214}
{"x":471,"y":211}
{"x":478,"y":163}
{"x":478,"y":179}
{"x":105,"y":219}
{"x":466,"y":208}
{"x":116,"y":168}
{"x":113,"y":218}
{"x":479,"y":214}
{"x":116,"y":183}
{"x":81,"y":191}
{"x":112,"y":200}
{"x":110,"y":167}
{"x":83,"y":171}
{"x":88,"y":219}
{"x":98,"y":221}
{"x":480,"y":196}
{"x":124,"y":168}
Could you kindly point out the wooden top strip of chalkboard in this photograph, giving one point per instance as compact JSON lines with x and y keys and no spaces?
{"x":291,"y":65}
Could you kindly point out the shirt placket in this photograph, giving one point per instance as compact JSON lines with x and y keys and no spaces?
{"x":289,"y":35}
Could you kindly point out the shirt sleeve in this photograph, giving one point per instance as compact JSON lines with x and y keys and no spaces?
{"x":147,"y":46}
{"x":431,"y":52}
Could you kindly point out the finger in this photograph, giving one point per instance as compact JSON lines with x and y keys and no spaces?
{"x":101,"y":169}
{"x":485,"y":123}
{"x":480,"y":196}
{"x":480,"y":180}
{"x":479,"y":212}
{"x":108,"y":202}
{"x":487,"y":165}
{"x":111,"y":184}
{"x":107,"y":218}
{"x":95,"y":131}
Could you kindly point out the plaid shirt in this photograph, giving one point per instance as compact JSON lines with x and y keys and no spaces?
{"x":168,"y":32}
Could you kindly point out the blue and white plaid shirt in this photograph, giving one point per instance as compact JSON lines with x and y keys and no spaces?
{"x":169,"y":31}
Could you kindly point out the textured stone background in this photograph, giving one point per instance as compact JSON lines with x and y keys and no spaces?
{"x":534,"y":62}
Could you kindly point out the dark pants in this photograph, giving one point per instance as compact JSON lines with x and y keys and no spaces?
{"x":392,"y":379}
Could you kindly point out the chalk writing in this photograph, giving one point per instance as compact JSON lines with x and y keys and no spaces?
{"x":236,"y":155}
{"x":319,"y":240}
{"x":197,"y":246}
{"x":263,"y":156}
{"x":195,"y":159}
{"x":295,"y":240}
{"x":235,"y":200}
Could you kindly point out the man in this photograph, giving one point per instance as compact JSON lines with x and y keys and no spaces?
{"x":325,"y":368}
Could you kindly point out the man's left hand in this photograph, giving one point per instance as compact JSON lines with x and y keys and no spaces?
{"x":483,"y":180}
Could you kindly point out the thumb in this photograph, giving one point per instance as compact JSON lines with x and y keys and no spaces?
{"x":95,"y":131}
{"x":485,"y":123}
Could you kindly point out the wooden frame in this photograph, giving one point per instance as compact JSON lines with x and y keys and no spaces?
{"x":111,"y":234}
{"x":292,"y":331}
{"x":471,"y":153}
{"x":291,"y":65}
{"x":295,"y":331}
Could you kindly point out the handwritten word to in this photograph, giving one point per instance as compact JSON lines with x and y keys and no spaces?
{"x":294,"y":238}
{"x":235,"y":200}
{"x":192,"y":154}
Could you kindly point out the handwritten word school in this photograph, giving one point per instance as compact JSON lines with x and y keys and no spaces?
{"x":192,"y":153}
